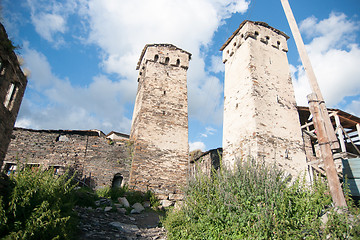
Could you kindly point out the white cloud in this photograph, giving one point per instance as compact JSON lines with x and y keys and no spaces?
{"x":196,"y":146}
{"x":48,"y":24}
{"x":41,"y":75}
{"x":208,"y":132}
{"x":122,"y":28}
{"x":354,"y":107}
{"x":335,"y":57}
{"x":217,"y":65}
{"x":56,"y":103}
{"x":50,"y":18}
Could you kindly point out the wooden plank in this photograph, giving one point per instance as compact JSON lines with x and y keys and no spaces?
{"x":356,"y":148}
{"x":326,"y":153}
{"x":340,"y":134}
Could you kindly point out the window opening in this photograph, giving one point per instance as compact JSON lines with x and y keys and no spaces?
{"x":156,"y":57}
{"x":2,"y":68}
{"x":167,"y":60}
{"x":56,"y":169}
{"x":10,"y":168}
{"x":117,"y":181}
{"x":10,"y":96}
{"x":178,"y":62}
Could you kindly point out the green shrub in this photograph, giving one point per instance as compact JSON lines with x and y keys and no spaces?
{"x":39,"y":206}
{"x":131,"y":195}
{"x":84,"y":197}
{"x":113,"y":193}
{"x":254,"y":201}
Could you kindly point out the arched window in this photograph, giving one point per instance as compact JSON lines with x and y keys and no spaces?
{"x":178,"y":62}
{"x":156,"y":57}
{"x":167,"y":60}
{"x":117,"y":181}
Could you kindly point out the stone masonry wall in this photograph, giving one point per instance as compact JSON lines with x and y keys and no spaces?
{"x":87,"y":152}
{"x":12,"y":87}
{"x":205,"y":163}
{"x":160,"y":121}
{"x":260,"y":115}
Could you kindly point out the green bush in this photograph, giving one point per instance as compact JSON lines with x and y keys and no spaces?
{"x":254,"y":201}
{"x":39,"y":206}
{"x":113,"y":193}
{"x":84,"y":197}
{"x":131,"y":195}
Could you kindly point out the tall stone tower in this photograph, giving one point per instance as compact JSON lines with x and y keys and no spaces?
{"x":260,"y":115}
{"x":160,"y":121}
{"x":12,"y":87}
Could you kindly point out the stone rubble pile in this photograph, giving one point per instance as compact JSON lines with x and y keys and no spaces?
{"x":113,"y":221}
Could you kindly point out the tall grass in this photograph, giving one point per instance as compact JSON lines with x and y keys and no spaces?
{"x":254,"y":201}
{"x":38,"y":205}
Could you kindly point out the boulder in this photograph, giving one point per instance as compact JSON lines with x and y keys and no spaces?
{"x":124,"y":201}
{"x":137,"y":208}
{"x":107,"y":209}
{"x":166,"y":203}
{"x":128,"y":228}
{"x":176,"y":197}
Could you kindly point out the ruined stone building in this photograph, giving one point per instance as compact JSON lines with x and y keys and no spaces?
{"x":260,"y":115}
{"x":12,"y":87}
{"x":159,"y":127}
{"x":261,"y":120}
{"x":98,"y":160}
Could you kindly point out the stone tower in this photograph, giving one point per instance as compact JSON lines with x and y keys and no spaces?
{"x":260,"y":115}
{"x":160,"y":121}
{"x":12,"y":87}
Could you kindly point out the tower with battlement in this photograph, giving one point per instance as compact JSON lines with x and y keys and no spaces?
{"x":160,"y":121}
{"x":260,"y":116}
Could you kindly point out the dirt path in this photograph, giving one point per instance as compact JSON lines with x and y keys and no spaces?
{"x":96,"y":224}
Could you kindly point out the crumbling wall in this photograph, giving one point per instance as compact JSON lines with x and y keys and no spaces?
{"x":206,"y":163}
{"x":96,"y":159}
{"x":12,"y":87}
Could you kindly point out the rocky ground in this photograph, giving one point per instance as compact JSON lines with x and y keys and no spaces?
{"x":99,"y":224}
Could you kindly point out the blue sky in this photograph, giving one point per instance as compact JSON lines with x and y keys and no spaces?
{"x":81,"y":56}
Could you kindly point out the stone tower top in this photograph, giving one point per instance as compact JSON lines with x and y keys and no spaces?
{"x":165,"y":54}
{"x":260,"y":31}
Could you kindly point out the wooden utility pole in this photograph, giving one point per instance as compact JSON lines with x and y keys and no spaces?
{"x":310,"y":73}
{"x":325,"y":131}
{"x":333,"y":180}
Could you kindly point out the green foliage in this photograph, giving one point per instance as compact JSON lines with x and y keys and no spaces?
{"x":8,"y":45}
{"x":113,"y":193}
{"x":131,"y":196}
{"x":39,"y":206}
{"x":84,"y":197}
{"x":254,"y":201}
